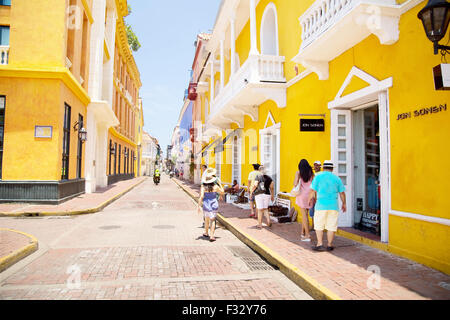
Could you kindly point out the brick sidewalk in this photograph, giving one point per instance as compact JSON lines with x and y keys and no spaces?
{"x":85,"y":203}
{"x":343,"y":271}
{"x":11,"y":241}
{"x":14,"y":246}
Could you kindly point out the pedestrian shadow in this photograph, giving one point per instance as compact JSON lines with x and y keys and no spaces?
{"x":206,"y":238}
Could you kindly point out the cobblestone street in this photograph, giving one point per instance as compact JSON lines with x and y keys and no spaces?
{"x":146,"y":245}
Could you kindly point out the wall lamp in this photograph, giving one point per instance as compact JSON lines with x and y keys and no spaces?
{"x":82,"y":133}
{"x":435,"y":17}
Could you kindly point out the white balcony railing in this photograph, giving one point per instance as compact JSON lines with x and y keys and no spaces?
{"x":320,"y":16}
{"x":251,"y":85}
{"x":330,"y":27}
{"x":4,"y":55}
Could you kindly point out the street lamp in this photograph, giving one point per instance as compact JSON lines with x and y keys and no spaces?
{"x":435,"y":17}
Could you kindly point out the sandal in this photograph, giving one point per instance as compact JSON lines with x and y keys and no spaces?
{"x":206,"y":235}
{"x":318,"y":248}
{"x":212,"y":239}
{"x":330,"y":248}
{"x":259,"y":227}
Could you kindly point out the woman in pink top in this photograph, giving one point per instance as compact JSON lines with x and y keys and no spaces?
{"x":304,"y":176}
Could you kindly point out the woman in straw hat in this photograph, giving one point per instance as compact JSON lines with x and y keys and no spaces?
{"x":211,"y":188}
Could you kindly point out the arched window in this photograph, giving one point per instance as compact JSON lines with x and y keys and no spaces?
{"x":269,"y":31}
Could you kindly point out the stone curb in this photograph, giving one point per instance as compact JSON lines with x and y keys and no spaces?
{"x":311,"y":286}
{"x":12,"y":258}
{"x":72,"y":213}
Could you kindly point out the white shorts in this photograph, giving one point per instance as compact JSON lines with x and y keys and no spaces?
{"x":262,"y":201}
{"x":326,"y":219}
{"x":210,"y":215}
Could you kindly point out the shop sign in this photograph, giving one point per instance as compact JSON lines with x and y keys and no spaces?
{"x":43,"y":131}
{"x":370,"y":220}
{"x":422,"y":112}
{"x":312,"y":125}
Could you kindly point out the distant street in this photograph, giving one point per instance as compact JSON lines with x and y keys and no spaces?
{"x":146,"y":245}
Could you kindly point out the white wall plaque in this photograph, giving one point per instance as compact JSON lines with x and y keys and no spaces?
{"x":43,"y":131}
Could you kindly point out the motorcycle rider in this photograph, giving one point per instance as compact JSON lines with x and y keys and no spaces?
{"x":156,"y":176}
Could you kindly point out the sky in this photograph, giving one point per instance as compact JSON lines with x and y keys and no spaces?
{"x":167,"y":31}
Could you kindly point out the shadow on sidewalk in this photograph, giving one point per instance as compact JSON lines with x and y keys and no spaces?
{"x":404,"y":275}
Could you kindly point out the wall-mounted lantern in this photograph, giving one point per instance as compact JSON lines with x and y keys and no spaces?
{"x":82,"y":133}
{"x":435,"y":17}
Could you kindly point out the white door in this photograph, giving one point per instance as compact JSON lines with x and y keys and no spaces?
{"x":269,"y":156}
{"x":341,"y":155}
{"x":218,"y":156}
{"x":236,"y":160}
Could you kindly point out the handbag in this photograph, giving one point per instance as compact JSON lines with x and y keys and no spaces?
{"x":296,"y":190}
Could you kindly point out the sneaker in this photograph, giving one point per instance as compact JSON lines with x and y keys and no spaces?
{"x":306,"y":239}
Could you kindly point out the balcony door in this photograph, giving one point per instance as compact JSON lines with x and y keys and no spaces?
{"x":269,"y":31}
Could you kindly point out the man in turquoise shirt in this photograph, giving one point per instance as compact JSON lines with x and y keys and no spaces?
{"x":326,"y":187}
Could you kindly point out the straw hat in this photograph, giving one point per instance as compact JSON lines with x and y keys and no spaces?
{"x":210,"y":175}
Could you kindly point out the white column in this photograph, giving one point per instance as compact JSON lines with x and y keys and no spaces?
{"x":222,"y":65}
{"x":233,"y":43}
{"x":253,"y":43}
{"x":211,"y":61}
{"x":90,"y":153}
{"x":96,"y":55}
{"x":102,"y":154}
{"x":110,"y":34}
{"x":95,"y":92}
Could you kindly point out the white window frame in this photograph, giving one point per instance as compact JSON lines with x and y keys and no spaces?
{"x":270,"y":6}
{"x":239,"y":159}
{"x":274,"y":130}
{"x":377,"y":92}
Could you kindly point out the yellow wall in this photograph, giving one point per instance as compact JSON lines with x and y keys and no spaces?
{"x":30,"y":103}
{"x":27,"y":41}
{"x":418,"y":145}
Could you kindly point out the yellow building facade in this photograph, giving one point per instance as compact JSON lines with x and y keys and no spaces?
{"x":124,"y":139}
{"x":47,"y":88}
{"x":349,"y":81}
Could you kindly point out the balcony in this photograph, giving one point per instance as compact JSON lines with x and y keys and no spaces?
{"x":260,"y":78}
{"x":331,"y":27}
{"x":4,"y":55}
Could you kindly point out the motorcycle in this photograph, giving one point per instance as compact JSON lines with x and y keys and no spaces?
{"x":171,"y":174}
{"x":156,"y":179}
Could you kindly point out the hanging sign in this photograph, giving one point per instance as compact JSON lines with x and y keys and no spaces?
{"x":312,"y":125}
